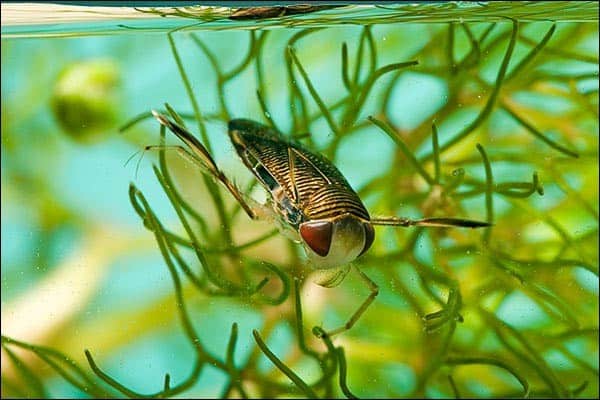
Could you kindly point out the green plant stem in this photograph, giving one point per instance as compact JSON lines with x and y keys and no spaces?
{"x":284,"y":368}
{"x":489,"y":106}
{"x":212,"y":186}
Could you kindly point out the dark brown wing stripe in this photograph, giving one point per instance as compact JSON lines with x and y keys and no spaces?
{"x":315,"y":185}
{"x":334,"y":200}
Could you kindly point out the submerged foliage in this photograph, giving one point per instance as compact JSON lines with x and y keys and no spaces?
{"x":506,"y":311}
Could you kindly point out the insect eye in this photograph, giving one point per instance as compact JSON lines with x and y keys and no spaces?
{"x":317,"y":235}
{"x":369,"y":237}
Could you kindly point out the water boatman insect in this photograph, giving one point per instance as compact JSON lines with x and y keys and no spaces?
{"x":310,"y":198}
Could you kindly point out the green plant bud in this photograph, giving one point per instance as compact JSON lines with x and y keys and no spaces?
{"x":85,"y":96}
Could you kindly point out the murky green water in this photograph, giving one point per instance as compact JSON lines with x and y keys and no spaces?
{"x":485,"y":111}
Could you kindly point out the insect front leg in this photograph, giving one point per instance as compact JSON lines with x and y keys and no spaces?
{"x":204,"y":160}
{"x":358,"y":313}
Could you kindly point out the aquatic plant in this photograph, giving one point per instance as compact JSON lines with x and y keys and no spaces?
{"x":510,"y":311}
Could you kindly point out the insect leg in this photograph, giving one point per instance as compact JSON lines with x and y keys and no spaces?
{"x":182,"y":151}
{"x":363,"y":307}
{"x":202,"y":157}
{"x":429,"y":222}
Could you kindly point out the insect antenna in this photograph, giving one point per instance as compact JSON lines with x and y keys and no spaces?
{"x":137,"y":165}
{"x":131,"y":158}
{"x":430,"y":222}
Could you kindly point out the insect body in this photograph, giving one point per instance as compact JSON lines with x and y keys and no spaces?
{"x":310,"y":197}
{"x":309,"y":194}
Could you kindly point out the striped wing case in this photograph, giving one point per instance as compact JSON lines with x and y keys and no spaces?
{"x":304,"y":185}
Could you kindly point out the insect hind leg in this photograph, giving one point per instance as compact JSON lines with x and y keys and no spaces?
{"x":443,"y":222}
{"x":201,"y":157}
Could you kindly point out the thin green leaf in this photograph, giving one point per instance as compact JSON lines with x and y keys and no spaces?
{"x":284,"y":368}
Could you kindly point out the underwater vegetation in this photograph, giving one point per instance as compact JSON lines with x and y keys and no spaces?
{"x":173,"y":291}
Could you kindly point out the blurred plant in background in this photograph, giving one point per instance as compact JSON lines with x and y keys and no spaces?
{"x":498,"y":121}
{"x":85,"y":101}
